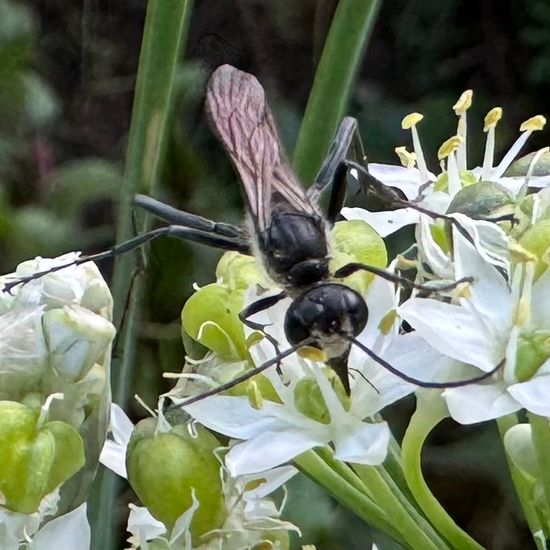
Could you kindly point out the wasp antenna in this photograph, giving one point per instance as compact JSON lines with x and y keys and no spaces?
{"x":423,"y":383}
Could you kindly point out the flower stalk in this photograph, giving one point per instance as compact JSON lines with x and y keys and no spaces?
{"x":429,"y":412}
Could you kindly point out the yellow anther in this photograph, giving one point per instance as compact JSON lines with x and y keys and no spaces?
{"x":408,"y":159}
{"x":254,"y":395}
{"x":411,"y":120}
{"x":449,"y":147}
{"x":463,"y":290}
{"x":464,"y":102}
{"x":313,"y":354}
{"x":491,"y":118}
{"x":533,"y":124}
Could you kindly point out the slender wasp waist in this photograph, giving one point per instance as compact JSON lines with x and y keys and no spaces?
{"x":328,"y":313}
{"x":294,"y":249}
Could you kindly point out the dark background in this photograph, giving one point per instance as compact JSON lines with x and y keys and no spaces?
{"x":67,"y":72}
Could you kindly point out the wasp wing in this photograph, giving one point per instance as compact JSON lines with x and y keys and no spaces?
{"x":239,"y":113}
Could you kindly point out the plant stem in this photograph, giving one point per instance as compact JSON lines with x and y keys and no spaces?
{"x":319,"y":471}
{"x":540,"y":427}
{"x":165,"y":25}
{"x":429,"y":412}
{"x":333,"y":83}
{"x":404,"y":516}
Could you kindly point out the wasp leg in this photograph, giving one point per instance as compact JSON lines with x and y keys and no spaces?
{"x":174,"y":216}
{"x":261,"y":305}
{"x":242,"y":378}
{"x":350,"y":268}
{"x":178,"y":231}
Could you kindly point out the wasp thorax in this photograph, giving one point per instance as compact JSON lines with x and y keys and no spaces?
{"x":328,"y":314}
{"x":295,"y":249}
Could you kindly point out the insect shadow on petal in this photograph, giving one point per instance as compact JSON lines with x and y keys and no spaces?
{"x":286,"y":231}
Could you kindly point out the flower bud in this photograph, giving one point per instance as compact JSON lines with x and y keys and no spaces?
{"x":537,"y":240}
{"x":166,"y":469}
{"x":238,"y":271}
{"x":55,"y":338}
{"x":36,"y":458}
{"x":211,"y":316}
{"x":533,"y":349}
{"x":357,"y":241}
{"x":481,"y":200}
{"x":309,"y":400}
{"x":521,"y":166}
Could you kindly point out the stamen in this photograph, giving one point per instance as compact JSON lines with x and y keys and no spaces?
{"x":447,"y":150}
{"x":491,"y":120}
{"x":527,"y":128}
{"x":408,"y":160}
{"x":409,"y":123}
{"x":460,"y":108}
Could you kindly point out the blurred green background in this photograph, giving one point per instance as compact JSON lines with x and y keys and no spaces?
{"x":67,"y":72}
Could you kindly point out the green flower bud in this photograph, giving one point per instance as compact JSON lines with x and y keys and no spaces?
{"x":211,"y":316}
{"x":238,"y":271}
{"x":482,"y":200}
{"x":165,"y":468}
{"x":357,"y":241}
{"x":537,"y":240}
{"x":36,"y":459}
{"x":521,"y":166}
{"x":533,"y":350}
{"x":56,"y":338}
{"x":309,"y":399}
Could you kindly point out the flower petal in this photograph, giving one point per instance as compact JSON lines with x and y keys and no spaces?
{"x":453,"y":331}
{"x":68,"y":531}
{"x":479,"y":402}
{"x":363,"y":443}
{"x":385,"y":222}
{"x":273,"y":448}
{"x":533,"y":394}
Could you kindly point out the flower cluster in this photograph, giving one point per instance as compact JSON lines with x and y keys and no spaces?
{"x":54,"y":401}
{"x":488,"y":225}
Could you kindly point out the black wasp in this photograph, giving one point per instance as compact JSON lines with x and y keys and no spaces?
{"x":286,"y":229}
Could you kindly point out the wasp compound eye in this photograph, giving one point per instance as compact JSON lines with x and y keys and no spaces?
{"x":325,"y":314}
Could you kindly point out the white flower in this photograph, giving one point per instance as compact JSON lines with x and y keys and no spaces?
{"x":484,"y":329}
{"x":436,"y":193}
{"x":273,"y":433}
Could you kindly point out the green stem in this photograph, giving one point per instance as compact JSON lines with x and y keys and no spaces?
{"x":429,"y":412}
{"x":404,"y":516}
{"x":523,"y":487}
{"x":540,"y":432}
{"x":333,"y":83}
{"x":319,"y":471}
{"x":162,"y":45}
{"x":341,"y":468}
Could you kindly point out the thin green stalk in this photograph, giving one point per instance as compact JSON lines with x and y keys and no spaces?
{"x":540,"y":432}
{"x":344,"y":470}
{"x":404,"y":518}
{"x":429,"y":412}
{"x":411,"y":507}
{"x":317,"y":469}
{"x":523,"y":487}
{"x":166,"y":23}
{"x":333,"y":83}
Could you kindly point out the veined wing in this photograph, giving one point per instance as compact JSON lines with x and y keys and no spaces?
{"x":236,"y":103}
